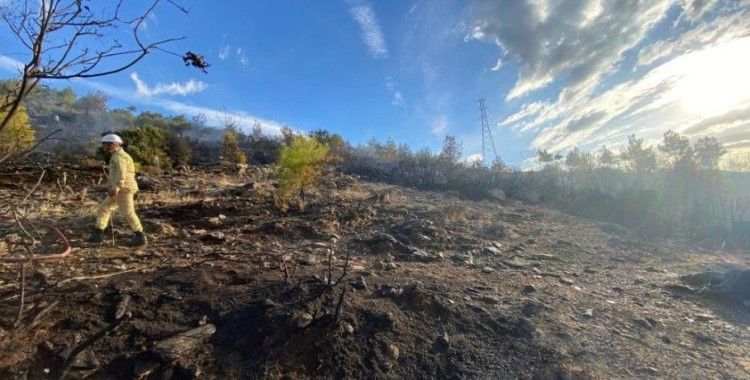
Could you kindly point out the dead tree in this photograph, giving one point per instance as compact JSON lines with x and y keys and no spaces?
{"x":66,"y":39}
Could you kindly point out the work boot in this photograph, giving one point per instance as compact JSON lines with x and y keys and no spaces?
{"x":97,"y":236}
{"x":139,"y":239}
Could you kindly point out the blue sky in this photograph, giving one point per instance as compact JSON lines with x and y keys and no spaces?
{"x":556,"y":74}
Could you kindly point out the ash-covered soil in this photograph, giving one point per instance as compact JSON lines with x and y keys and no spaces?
{"x":369,"y":281}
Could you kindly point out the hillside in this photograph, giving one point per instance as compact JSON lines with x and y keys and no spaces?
{"x":433,"y":286}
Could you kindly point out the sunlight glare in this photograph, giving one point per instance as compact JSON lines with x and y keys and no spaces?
{"x":716,"y":79}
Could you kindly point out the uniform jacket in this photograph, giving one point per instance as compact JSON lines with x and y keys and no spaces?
{"x":122,"y":172}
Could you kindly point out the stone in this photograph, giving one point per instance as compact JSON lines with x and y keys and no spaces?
{"x":566,"y":281}
{"x":703,"y":317}
{"x":359,"y":283}
{"x":516,"y":263}
{"x":528,"y":289}
{"x":178,"y":346}
{"x":489,"y":299}
{"x":269,"y":303}
{"x":303,"y":320}
{"x":393,"y":351}
{"x":589,"y":313}
{"x":544,"y":257}
{"x":444,"y":340}
{"x":308,"y":260}
{"x":487,"y":270}
{"x":348,"y":328}
{"x":643,"y":323}
{"x":86,"y":360}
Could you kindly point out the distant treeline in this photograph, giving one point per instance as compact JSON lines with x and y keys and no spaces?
{"x":673,"y":189}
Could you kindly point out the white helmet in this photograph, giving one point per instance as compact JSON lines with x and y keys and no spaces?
{"x":112,"y":138}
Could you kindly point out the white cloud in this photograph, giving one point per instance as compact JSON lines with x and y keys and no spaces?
{"x":10,"y":64}
{"x":578,"y":42}
{"x":397,"y":98}
{"x":372,"y":35}
{"x":440,"y":125}
{"x":224,"y":53}
{"x":498,"y":65}
{"x":190,"y":87}
{"x":213,"y":116}
{"x":721,"y":29}
{"x":242,"y":57}
{"x":698,"y":93}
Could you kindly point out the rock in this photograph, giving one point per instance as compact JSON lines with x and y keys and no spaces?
{"x":214,"y":237}
{"x":390,"y":265}
{"x":176,"y":347}
{"x":359,"y":283}
{"x":566,"y":281}
{"x":304,"y":320}
{"x":643,"y":323}
{"x":516,"y":263}
{"x":732,"y":285}
{"x":544,"y":257}
{"x":122,"y":307}
{"x":528,"y":289}
{"x":444,"y":340}
{"x":393,"y":351}
{"x":390,"y":291}
{"x":85,"y":360}
{"x":487,"y":270}
{"x":215,"y":221}
{"x":531,"y":307}
{"x":308,"y":260}
{"x":492,"y":250}
{"x":650,"y":371}
{"x":269,"y":303}
{"x":589,"y":313}
{"x":348,"y":328}
{"x":489,"y":299}
{"x":703,"y":317}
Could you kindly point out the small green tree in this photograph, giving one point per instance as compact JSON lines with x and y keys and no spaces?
{"x":232,"y":151}
{"x":147,"y":145}
{"x":300,"y":165}
{"x":17,"y":136}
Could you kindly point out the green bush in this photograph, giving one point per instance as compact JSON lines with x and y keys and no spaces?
{"x":17,"y":136}
{"x":300,"y":165}
{"x":147,"y":145}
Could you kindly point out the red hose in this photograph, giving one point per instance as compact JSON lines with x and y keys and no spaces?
{"x":56,"y":256}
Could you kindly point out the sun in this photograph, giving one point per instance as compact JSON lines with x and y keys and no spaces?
{"x":716,"y":79}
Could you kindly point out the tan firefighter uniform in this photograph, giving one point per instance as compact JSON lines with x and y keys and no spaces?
{"x":122,"y":183}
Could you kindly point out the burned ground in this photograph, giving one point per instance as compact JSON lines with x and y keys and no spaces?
{"x":435,"y":286}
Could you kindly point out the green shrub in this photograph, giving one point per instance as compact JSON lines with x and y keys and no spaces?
{"x":232,"y":151}
{"x":300,"y":165}
{"x":17,"y":136}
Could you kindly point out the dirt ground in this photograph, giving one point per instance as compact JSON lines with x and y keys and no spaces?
{"x":369,"y":281}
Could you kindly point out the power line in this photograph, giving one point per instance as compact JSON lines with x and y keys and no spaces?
{"x":486,"y":133}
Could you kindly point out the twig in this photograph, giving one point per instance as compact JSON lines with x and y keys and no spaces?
{"x":39,"y":181}
{"x":88,"y":342}
{"x":346,"y":267}
{"x":22,"y":296}
{"x":338,"y":305}
{"x":98,"y":276}
{"x":41,"y":313}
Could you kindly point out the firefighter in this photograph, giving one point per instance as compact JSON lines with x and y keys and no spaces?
{"x":121,"y":187}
